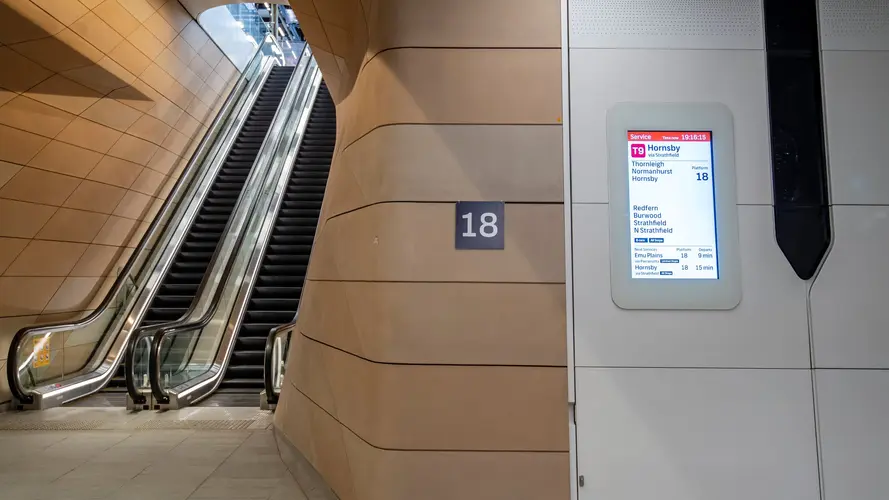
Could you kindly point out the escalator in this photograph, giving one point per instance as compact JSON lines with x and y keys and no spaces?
{"x":274,"y":298}
{"x":178,"y":288}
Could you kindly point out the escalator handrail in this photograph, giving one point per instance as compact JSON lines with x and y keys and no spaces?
{"x":268,"y":374}
{"x":184,"y":184}
{"x":188,"y":322}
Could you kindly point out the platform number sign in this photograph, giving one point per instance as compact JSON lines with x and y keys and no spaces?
{"x":479,"y":225}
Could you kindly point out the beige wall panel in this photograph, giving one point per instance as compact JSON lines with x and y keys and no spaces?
{"x":91,"y":58}
{"x":514,"y":163}
{"x":432,"y":407}
{"x":457,"y":86}
{"x":410,"y":475}
{"x":470,"y":23}
{"x":439,"y":323}
{"x":415,"y":242}
{"x":318,"y":436}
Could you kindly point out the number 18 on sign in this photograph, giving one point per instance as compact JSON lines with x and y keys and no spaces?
{"x":479,"y":225}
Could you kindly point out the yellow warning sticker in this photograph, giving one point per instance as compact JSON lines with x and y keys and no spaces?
{"x":41,"y":352}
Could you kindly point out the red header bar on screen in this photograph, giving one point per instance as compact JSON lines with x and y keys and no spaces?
{"x":672,"y":136}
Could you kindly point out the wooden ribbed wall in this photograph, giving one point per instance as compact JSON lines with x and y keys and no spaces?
{"x":420,"y":371}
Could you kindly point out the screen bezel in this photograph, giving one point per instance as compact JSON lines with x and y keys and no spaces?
{"x":713,"y":178}
{"x":628,"y":293}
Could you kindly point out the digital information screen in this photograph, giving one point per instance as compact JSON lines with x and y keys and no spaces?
{"x":672,"y":205}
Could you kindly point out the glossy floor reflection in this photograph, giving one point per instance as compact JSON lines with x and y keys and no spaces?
{"x":197,"y":453}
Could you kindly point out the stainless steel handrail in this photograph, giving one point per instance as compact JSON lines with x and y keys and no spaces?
{"x":186,"y":183}
{"x":241,"y":281}
{"x":274,"y":362}
{"x":221,"y":270}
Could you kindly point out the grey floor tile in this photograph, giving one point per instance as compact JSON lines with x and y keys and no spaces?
{"x":37,"y":469}
{"x":288,"y":489}
{"x":256,"y":469}
{"x":154,"y":492}
{"x":121,"y":470}
{"x":84,"y":444}
{"x":218,"y":488}
{"x":30,"y":439}
{"x":79,"y":488}
{"x":158,"y":487}
{"x":183,"y":474}
{"x":122,"y":462}
{"x":199,"y":455}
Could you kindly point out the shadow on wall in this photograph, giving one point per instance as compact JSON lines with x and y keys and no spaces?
{"x":53,"y":51}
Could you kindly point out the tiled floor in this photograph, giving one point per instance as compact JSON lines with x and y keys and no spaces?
{"x":142,"y":456}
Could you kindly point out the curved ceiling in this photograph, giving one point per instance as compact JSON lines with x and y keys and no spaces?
{"x":196,"y":7}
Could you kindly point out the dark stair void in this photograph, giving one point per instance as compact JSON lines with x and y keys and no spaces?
{"x":276,"y":290}
{"x":180,"y":285}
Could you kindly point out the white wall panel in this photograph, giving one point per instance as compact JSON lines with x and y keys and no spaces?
{"x":853,"y":412}
{"x":856,"y":97}
{"x":768,"y":329}
{"x":675,"y":434}
{"x":850,"y":297}
{"x":602,"y":78}
{"x":854,"y":24}
{"x":666,"y":24}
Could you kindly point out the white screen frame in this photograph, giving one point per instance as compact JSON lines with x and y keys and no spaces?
{"x":628,"y":293}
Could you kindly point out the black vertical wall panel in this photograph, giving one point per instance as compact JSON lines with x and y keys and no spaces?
{"x":796,"y":115}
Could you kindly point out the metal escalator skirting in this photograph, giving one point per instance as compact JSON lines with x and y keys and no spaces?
{"x":276,"y":290}
{"x":180,"y":285}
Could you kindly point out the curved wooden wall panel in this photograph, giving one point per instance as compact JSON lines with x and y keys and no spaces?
{"x":417,"y":323}
{"x":459,"y":86}
{"x":405,"y":343}
{"x":415,"y":242}
{"x":450,"y":162}
{"x":435,"y":407}
{"x":470,"y":23}
{"x":359,"y":471}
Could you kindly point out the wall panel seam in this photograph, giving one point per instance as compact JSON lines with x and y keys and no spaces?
{"x":441,"y":47}
{"x":449,"y":365}
{"x":323,"y":280}
{"x":431,"y":202}
{"x":447,"y":124}
{"x":420,"y":450}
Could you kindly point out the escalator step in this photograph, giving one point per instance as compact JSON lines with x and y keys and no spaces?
{"x":297,"y":221}
{"x":282,"y":304}
{"x":287,"y":239}
{"x":166,"y":313}
{"x":245,"y":372}
{"x":294,"y":230}
{"x":278,"y":270}
{"x":300,"y":212}
{"x":242,"y":384}
{"x":276,"y":291}
{"x":179,"y":289}
{"x":287,"y":258}
{"x":255,"y":334}
{"x":245,"y":357}
{"x":173,"y":301}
